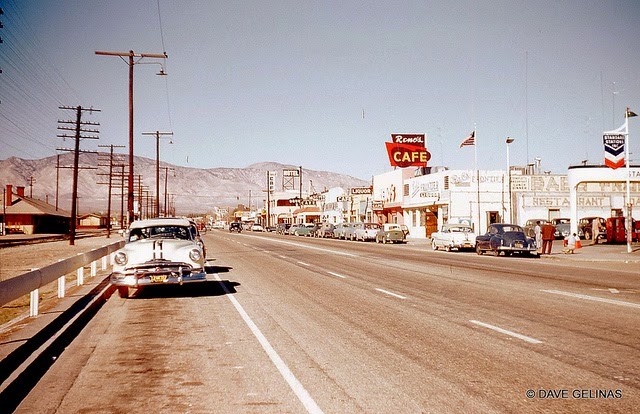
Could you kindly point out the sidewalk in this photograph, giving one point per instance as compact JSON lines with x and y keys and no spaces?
{"x":602,"y":252}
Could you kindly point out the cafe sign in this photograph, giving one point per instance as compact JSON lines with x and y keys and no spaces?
{"x":407,"y":150}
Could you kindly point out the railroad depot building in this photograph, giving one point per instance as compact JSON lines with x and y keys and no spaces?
{"x":22,"y":214}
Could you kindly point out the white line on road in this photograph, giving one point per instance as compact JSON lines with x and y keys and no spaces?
{"x":594,"y":298}
{"x":305,"y":246}
{"x":302,"y":394}
{"x":282,"y":257}
{"x":303,"y":263}
{"x":391,"y":293}
{"x":504,"y":331}
{"x":337,"y":275}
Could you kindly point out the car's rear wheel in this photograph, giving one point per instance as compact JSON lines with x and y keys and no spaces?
{"x":447,"y":248}
{"x":587,"y":235}
{"x":478,"y":250}
{"x":434,"y":246}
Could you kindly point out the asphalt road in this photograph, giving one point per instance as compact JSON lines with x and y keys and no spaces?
{"x":308,"y":325}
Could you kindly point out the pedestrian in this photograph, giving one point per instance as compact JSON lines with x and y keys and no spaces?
{"x":570,"y":244}
{"x":595,"y":230}
{"x":548,"y":236}
{"x":537,"y":230}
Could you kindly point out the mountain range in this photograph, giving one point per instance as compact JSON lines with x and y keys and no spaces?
{"x":195,"y":190}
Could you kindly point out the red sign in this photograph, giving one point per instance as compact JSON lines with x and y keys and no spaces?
{"x":407,"y":155}
{"x":411,"y":139}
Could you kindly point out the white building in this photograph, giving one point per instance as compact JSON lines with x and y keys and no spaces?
{"x":454,"y":196}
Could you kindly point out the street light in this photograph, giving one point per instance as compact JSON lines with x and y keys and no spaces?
{"x":509,"y":141}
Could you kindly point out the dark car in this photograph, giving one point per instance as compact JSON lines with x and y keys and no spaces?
{"x":585,"y":225}
{"x":507,"y":239}
{"x":563,"y":228}
{"x":282,"y":228}
{"x":236,"y":226}
{"x":326,"y":230}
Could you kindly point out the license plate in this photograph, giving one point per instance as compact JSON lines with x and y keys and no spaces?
{"x":158,"y":278}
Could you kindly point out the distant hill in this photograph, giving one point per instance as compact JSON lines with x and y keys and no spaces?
{"x":196,"y":190}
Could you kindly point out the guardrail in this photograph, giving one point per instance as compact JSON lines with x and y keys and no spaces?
{"x":30,"y":282}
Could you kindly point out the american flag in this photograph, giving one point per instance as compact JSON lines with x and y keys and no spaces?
{"x":470,"y":140}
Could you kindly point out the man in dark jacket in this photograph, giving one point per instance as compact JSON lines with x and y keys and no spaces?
{"x":548,"y":236}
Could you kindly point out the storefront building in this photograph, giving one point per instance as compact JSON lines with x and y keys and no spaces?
{"x":454,"y":196}
{"x":388,"y":195}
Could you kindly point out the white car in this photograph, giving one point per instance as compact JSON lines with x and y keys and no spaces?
{"x":454,"y":236}
{"x":158,"y":251}
{"x":366,"y":231}
{"x":257,"y":227}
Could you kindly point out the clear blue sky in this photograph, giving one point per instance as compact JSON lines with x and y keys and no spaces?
{"x":288,"y":81}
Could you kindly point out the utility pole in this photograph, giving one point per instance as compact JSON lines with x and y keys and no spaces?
{"x":110,"y":182}
{"x":166,"y":181}
{"x":31,"y":181}
{"x":131,"y":62}
{"x":57,"y":178}
{"x":79,"y":128}
{"x":157,"y":134}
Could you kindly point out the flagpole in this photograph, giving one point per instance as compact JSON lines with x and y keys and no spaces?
{"x":626,"y":161}
{"x":475,"y":160}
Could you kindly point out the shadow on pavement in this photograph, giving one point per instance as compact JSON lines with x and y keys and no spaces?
{"x":191,"y":290}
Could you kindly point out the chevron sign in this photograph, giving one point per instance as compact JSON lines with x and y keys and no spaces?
{"x":613,"y":150}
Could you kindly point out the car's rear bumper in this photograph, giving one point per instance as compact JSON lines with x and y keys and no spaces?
{"x":517,"y":249}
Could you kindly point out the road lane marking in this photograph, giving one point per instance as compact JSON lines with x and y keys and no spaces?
{"x":594,"y":298}
{"x":282,"y":257}
{"x":337,"y":275}
{"x":303,"y":263}
{"x":504,"y":331}
{"x":304,"y":246}
{"x":295,"y":385}
{"x":391,"y":293}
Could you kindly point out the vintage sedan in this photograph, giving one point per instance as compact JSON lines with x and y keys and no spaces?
{"x":339,"y":232}
{"x":305,"y":229}
{"x":507,"y":239}
{"x":158,"y":252}
{"x":454,"y":236}
{"x":366,"y":231}
{"x":392,"y":233}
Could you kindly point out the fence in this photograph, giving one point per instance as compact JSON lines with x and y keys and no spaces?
{"x":30,"y":282}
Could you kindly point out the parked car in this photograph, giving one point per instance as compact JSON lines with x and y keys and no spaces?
{"x":507,"y":239}
{"x":235,"y":226}
{"x":350,"y":231}
{"x":585,"y":224}
{"x":292,"y":229}
{"x":326,"y":230}
{"x":315,"y":230}
{"x":305,"y":229}
{"x":257,"y":227}
{"x":158,"y":251}
{"x":454,"y":236}
{"x":392,"y":233}
{"x":563,"y":228}
{"x":530,"y":225}
{"x":340,"y":230}
{"x":270,"y":229}
{"x":282,"y":228}
{"x":367,"y":231}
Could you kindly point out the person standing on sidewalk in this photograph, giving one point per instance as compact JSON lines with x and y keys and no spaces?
{"x":548,"y":236}
{"x":537,"y":230}
{"x":595,"y":230}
